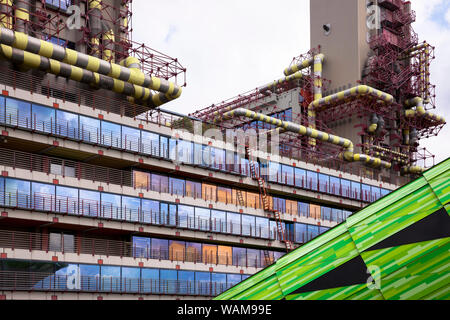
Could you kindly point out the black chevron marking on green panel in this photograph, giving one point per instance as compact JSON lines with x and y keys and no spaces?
{"x":351,"y":273}
{"x":435,"y":226}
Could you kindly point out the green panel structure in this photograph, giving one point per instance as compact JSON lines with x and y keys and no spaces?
{"x":398,"y":248}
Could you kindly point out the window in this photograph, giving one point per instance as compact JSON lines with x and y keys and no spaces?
{"x":193,"y":252}
{"x":185,"y":217}
{"x":59,"y":4}
{"x":335,"y":186}
{"x":17,"y":194}
{"x":177,"y":187}
{"x":219,"y":283}
{"x":111,"y":206}
{"x":110,"y":279}
{"x":193,"y":189}
{"x":66,"y":124}
{"x":66,"y":200}
{"x":164,"y":147}
{"x":131,"y":139}
{"x":355,"y":190}
{"x":59,"y":242}
{"x":300,"y":178}
{"x":141,"y":180}
{"x":89,"y":130}
{"x":314,"y":211}
{"x":131,"y":209}
{"x":43,"y":119}
{"x":225,"y":255}
{"x":141,"y":247}
{"x":233,"y":223}
{"x":240,"y":257}
{"x":324,"y":183}
{"x":187,"y":282}
{"x":151,"y":212}
{"x":300,"y":233}
{"x":150,"y":143}
{"x":160,"y":249}
{"x":292,"y":207}
{"x":248,"y":225}
{"x":253,"y":200}
{"x":209,"y":192}
{"x":303,"y":209}
{"x":2,"y":110}
{"x":111,"y":135}
{"x":177,"y":250}
{"x":224,"y":195}
{"x":90,"y":276}
{"x":326,"y":213}
{"x":130,"y":279}
{"x":168,"y":281}
{"x":150,"y":280}
{"x":274,"y":173}
{"x":185,"y":152}
{"x":262,"y":228}
{"x":376,"y":193}
{"x":366,"y":193}
{"x":209,"y":254}
{"x":89,"y":203}
{"x":202,"y":219}
{"x":233,"y":279}
{"x":43,"y":196}
{"x":346,"y":187}
{"x":203,"y":283}
{"x":253,"y":258}
{"x":18,"y":113}
{"x":218,"y":221}
{"x":287,"y":175}
{"x":312,"y":180}
{"x":313,"y":232}
{"x":279,"y":204}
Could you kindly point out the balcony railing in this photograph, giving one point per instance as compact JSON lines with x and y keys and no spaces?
{"x":47,"y":282}
{"x":64,"y":243}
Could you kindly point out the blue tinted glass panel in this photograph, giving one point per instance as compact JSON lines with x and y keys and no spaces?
{"x":233,"y":279}
{"x":274,"y":173}
{"x":164,"y":147}
{"x":130,"y":279}
{"x":335,"y":186}
{"x":203,"y":280}
{"x":262,"y":228}
{"x":131,"y":139}
{"x":44,"y":119}
{"x":150,"y":143}
{"x":233,"y":223}
{"x":110,"y":279}
{"x":90,"y":277}
{"x":168,"y":281}
{"x":187,"y":282}
{"x":43,"y":196}
{"x":66,"y":200}
{"x":346,"y":187}
{"x":185,"y":152}
{"x":89,"y":203}
{"x":151,"y":212}
{"x":300,"y":178}
{"x":366,"y":193}
{"x":111,"y":206}
{"x":17,"y":193}
{"x":89,"y":130}
{"x":287,"y":175}
{"x":160,"y":249}
{"x":240,"y":257}
{"x":66,"y":124}
{"x":141,"y":247}
{"x":303,"y":209}
{"x":248,"y":225}
{"x":2,"y":109}
{"x":324,"y":183}
{"x":300,"y":233}
{"x":177,"y":186}
{"x":18,"y":113}
{"x":218,"y":221}
{"x":131,"y":209}
{"x":355,"y":190}
{"x":376,"y":193}
{"x":185,"y":216}
{"x":312,"y":180}
{"x":202,"y":219}
{"x":150,"y":280}
{"x":111,"y":135}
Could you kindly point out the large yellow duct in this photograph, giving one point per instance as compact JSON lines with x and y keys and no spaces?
{"x":420,"y":110}
{"x":347,"y":155}
{"x":58,"y":68}
{"x":6,"y":21}
{"x":168,"y":90}
{"x":22,"y":15}
{"x":108,"y":42}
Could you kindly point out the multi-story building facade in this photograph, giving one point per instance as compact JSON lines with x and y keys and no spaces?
{"x":105,"y":196}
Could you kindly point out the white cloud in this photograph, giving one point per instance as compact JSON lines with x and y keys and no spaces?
{"x":447,"y":16}
{"x":230,"y":47}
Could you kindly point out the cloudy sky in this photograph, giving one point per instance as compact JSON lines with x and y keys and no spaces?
{"x":233,"y":46}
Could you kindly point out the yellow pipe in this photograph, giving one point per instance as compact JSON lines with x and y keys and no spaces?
{"x":413,"y":170}
{"x":108,"y":37}
{"x":347,"y":155}
{"x":420,"y":110}
{"x":5,"y":20}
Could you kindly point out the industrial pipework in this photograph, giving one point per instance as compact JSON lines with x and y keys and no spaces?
{"x":5,"y":20}
{"x":347,"y":155}
{"x":121,"y":75}
{"x":420,"y":110}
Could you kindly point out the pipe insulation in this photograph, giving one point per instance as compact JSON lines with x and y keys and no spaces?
{"x":22,"y":15}
{"x":58,"y":68}
{"x":420,"y":110}
{"x":347,"y":155}
{"x":6,"y":21}
{"x":167,"y":90}
{"x":270,"y":86}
